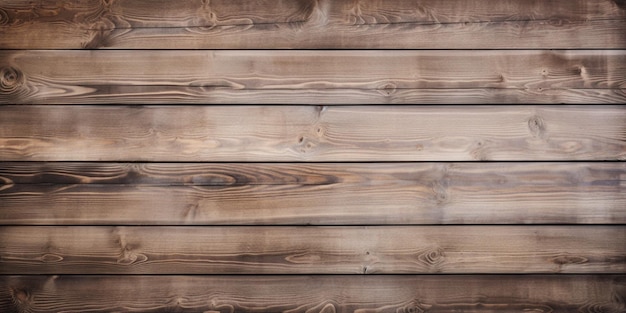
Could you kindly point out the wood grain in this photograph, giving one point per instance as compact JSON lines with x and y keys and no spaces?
{"x":109,"y":94}
{"x":309,"y":133}
{"x":312,"y":250}
{"x":376,"y":76}
{"x":240,"y":24}
{"x":308,"y":193}
{"x":467,"y":293}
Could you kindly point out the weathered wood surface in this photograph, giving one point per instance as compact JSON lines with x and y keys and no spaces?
{"x":466,"y":293}
{"x":310,"y":133}
{"x":399,"y":24}
{"x":312,"y":250}
{"x":224,"y":95}
{"x":215,"y":76}
{"x":309,"y":193}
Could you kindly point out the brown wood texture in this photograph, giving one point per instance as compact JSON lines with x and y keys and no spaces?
{"x":466,"y":293}
{"x":313,"y":156}
{"x":231,"y":77}
{"x":362,"y":24}
{"x":312,"y":250}
{"x":311,"y":133}
{"x":311,"y":193}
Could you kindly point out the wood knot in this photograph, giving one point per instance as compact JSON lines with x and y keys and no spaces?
{"x":555,"y":22}
{"x":388,"y":89}
{"x":620,"y":4}
{"x":578,"y":70}
{"x":128,"y":257}
{"x":480,"y":151}
{"x":432,"y":257}
{"x":20,"y":296}
{"x":440,"y":192}
{"x":537,"y":126}
{"x":4,"y":17}
{"x":567,"y":259}
{"x":305,"y":145}
{"x":10,"y":79}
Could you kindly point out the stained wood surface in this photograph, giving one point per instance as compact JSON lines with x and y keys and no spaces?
{"x":467,"y":293}
{"x":312,"y":250}
{"x":391,"y":77}
{"x":139,"y":95}
{"x":311,"y":193}
{"x":399,"y":24}
{"x":254,"y":156}
{"x":308,"y":133}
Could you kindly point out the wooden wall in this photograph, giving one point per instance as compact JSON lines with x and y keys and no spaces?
{"x":313,"y":156}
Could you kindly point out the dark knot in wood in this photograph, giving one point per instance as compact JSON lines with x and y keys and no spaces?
{"x":10,"y":79}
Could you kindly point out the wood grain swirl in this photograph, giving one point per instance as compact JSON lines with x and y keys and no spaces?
{"x":309,"y":133}
{"x":309,"y":193}
{"x":297,"y":24}
{"x":447,"y":293}
{"x":391,"y":77}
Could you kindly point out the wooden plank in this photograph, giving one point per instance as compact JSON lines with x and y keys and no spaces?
{"x":308,"y":133}
{"x":467,"y":293}
{"x":383,"y":76}
{"x":305,"y":193}
{"x":108,"y":94}
{"x":399,"y":24}
{"x":312,"y":250}
{"x":190,"y":13}
{"x":516,"y":175}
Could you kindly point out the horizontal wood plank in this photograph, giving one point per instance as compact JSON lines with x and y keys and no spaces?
{"x":379,"y":77}
{"x":307,"y":193}
{"x":309,"y":133}
{"x":312,"y":250}
{"x":108,"y":94}
{"x":572,"y":175}
{"x":467,"y":293}
{"x":240,"y":24}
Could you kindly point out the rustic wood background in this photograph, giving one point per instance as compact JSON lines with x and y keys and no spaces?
{"x":313,"y":156}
